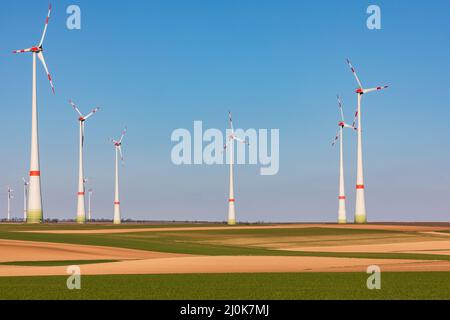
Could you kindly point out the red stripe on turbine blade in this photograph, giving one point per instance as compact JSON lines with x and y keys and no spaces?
{"x":360,"y":186}
{"x":35,"y":173}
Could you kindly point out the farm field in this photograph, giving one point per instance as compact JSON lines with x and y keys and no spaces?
{"x":176,"y":261}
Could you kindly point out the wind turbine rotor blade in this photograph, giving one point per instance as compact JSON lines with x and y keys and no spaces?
{"x":346,"y":125}
{"x":120,"y":152}
{"x":22,"y":51}
{"x":354,"y":73}
{"x":225,"y":146}
{"x":91,"y":113}
{"x":240,"y":140}
{"x":336,"y":138}
{"x":46,"y":24}
{"x":74,"y":106}
{"x":231,"y":121}
{"x":41,"y":57}
{"x":340,"y":108}
{"x":355,"y":119}
{"x":123,"y":134}
{"x":376,"y":89}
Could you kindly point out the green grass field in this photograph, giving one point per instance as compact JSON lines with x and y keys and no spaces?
{"x":289,"y":286}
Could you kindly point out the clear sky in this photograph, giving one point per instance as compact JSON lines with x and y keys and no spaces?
{"x":156,"y":66}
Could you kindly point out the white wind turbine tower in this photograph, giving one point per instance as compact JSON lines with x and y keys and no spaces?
{"x":342,"y":214}
{"x":118,"y":148}
{"x":25,"y":197}
{"x":81,"y":213}
{"x":10,"y":196}
{"x":230,"y":146}
{"x":35,"y":213}
{"x":89,"y":203}
{"x":360,"y":209}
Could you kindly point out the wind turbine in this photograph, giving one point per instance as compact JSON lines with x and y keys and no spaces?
{"x":230,"y":146}
{"x":35,"y":214}
{"x":81,"y":213}
{"x":89,"y":203}
{"x":118,"y":148}
{"x":10,"y":196}
{"x":342,"y":214}
{"x":25,"y":196}
{"x":360,"y":209}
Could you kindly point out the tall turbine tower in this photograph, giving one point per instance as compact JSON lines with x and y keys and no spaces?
{"x":118,"y":149}
{"x":342,"y":214}
{"x":35,"y":213}
{"x":81,"y":213}
{"x":25,"y":197}
{"x":230,"y":146}
{"x":10,"y":196}
{"x":360,"y":209}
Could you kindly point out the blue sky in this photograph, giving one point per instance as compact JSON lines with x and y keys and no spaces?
{"x":156,"y":66}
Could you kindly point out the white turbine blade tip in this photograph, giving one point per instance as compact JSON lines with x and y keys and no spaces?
{"x":46,"y":24}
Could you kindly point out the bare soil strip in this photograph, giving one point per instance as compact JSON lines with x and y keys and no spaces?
{"x":15,"y":250}
{"x":428,"y":247}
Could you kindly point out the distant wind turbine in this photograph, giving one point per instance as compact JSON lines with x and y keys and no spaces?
{"x":230,"y":146}
{"x":89,"y":204}
{"x":10,"y":196}
{"x":81,"y":213}
{"x":25,"y":197}
{"x":342,"y":214}
{"x":118,"y":149}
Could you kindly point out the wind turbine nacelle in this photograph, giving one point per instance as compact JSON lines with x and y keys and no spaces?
{"x":359,"y":90}
{"x":341,"y":124}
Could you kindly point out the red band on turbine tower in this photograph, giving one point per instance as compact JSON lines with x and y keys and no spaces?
{"x":231,"y":200}
{"x":116,"y":202}
{"x":35,"y":173}
{"x":341,"y":197}
{"x":360,"y":186}
{"x":81,"y":193}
